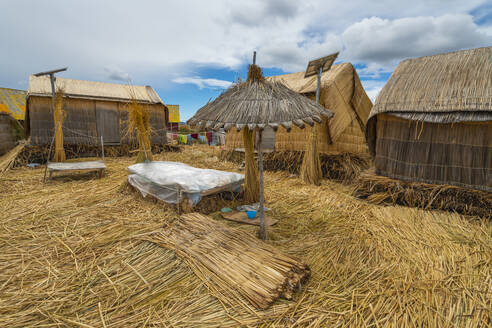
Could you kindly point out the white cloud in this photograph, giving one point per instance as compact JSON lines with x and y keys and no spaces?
{"x":202,"y":83}
{"x":382,"y":42}
{"x":117,"y":74}
{"x":156,"y":41}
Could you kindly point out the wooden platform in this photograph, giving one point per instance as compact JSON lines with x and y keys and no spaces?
{"x":77,"y":166}
{"x":242,"y":217}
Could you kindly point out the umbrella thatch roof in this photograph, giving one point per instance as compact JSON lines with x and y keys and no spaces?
{"x":258,"y":103}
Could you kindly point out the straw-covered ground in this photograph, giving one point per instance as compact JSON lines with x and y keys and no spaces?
{"x":72,"y":255}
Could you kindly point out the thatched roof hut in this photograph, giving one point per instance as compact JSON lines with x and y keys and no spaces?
{"x":342,"y":93}
{"x":93,"y":109}
{"x":12,"y":108}
{"x":7,"y":137}
{"x":432,"y":122}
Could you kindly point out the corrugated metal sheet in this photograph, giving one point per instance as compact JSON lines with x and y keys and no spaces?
{"x":173,"y":113}
{"x":40,"y":86}
{"x":13,"y":102}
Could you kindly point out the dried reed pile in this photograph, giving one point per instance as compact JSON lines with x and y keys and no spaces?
{"x":71,"y":255}
{"x":233,"y":263}
{"x":343,"y":167}
{"x":378,"y":189}
{"x":7,"y":161}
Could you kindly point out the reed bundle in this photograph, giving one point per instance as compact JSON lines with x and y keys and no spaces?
{"x":379,"y":189}
{"x":138,"y":123}
{"x":58,"y":117}
{"x":71,"y":254}
{"x":7,"y":161}
{"x":233,"y":263}
{"x":311,"y":166}
{"x":251,"y":178}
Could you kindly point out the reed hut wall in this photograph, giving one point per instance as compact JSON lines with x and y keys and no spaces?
{"x":87,"y":120}
{"x":342,"y":93}
{"x":439,"y":153}
{"x":7,"y":138}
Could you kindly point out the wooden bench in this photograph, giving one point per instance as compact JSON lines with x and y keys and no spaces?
{"x":98,"y":166}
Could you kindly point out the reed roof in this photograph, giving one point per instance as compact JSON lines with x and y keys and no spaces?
{"x":259,"y":103}
{"x":458,"y":82}
{"x":41,"y":86}
{"x":446,"y":88}
{"x":298,"y":83}
{"x":13,"y":102}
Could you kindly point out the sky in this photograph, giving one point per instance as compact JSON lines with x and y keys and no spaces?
{"x":190,"y":51}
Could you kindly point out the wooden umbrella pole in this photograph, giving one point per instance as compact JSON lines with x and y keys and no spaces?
{"x":263,"y":232}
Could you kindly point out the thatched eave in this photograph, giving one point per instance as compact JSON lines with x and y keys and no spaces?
{"x":258,"y":104}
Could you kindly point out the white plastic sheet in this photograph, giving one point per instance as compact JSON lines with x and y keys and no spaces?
{"x":168,"y":181}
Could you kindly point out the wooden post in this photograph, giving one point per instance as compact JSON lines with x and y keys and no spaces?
{"x":263,"y":232}
{"x":319,"y":83}
{"x":254,"y":58}
{"x":102,"y":148}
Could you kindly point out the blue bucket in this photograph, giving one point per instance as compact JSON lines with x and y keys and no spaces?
{"x":251,"y":214}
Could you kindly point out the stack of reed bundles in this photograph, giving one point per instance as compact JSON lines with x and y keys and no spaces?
{"x":379,"y":189}
{"x":232,"y":262}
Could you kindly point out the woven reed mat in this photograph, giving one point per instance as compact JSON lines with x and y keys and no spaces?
{"x":235,"y":265}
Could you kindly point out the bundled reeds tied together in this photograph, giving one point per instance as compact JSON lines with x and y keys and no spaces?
{"x":58,"y":117}
{"x":311,"y":166}
{"x":379,"y":189}
{"x":138,"y":124}
{"x":251,"y":179}
{"x":232,"y":262}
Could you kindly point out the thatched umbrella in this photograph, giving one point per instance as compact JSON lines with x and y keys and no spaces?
{"x":252,"y":106}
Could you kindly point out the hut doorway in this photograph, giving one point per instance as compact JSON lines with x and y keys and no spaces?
{"x":108,"y":122}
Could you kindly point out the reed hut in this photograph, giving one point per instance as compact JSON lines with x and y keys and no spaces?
{"x":430,"y":132}
{"x":7,"y":137}
{"x":12,"y":109}
{"x":92,"y":109}
{"x":341,"y":139}
{"x":432,"y":122}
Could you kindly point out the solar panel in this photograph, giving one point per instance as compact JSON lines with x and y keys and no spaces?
{"x":325,"y":62}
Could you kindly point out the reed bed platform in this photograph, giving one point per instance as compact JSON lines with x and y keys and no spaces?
{"x":73,"y":254}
